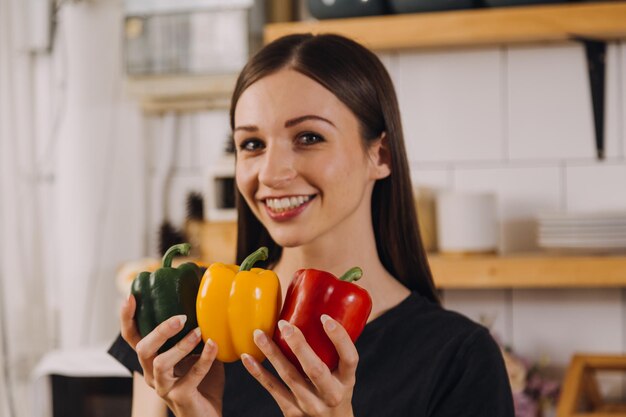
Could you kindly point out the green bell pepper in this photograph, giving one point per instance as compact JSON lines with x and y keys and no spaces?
{"x":167,"y":292}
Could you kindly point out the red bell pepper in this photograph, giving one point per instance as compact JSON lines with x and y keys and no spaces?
{"x":313,"y":293}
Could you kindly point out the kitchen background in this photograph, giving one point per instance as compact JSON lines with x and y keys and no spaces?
{"x":87,"y":177}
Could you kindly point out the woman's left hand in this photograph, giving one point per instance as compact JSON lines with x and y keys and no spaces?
{"x":326,"y":393}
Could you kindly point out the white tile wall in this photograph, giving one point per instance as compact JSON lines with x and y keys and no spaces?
{"x":621,"y":102}
{"x":390,"y":61}
{"x":435,"y":179}
{"x":549,"y":103}
{"x":451,"y":104}
{"x":557,"y":323}
{"x":596,"y":187}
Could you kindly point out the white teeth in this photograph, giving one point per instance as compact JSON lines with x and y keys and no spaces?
{"x":286,"y":203}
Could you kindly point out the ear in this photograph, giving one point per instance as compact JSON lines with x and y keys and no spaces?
{"x":380,"y":157}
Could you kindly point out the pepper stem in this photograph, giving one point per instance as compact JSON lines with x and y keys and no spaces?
{"x":352,"y":274}
{"x":258,"y":255}
{"x":180,"y":249}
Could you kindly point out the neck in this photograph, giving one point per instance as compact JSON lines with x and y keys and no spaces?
{"x":337,"y":255}
{"x":352,"y":244}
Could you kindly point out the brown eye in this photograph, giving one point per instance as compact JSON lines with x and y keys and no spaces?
{"x":309,"y":138}
{"x":251,"y":145}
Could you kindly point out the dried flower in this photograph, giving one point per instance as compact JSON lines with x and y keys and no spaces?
{"x":532,"y":389}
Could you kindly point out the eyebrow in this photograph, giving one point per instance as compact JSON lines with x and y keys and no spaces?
{"x":296,"y":120}
{"x":288,"y":123}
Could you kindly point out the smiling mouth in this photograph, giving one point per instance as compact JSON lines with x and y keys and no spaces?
{"x":283,"y":204}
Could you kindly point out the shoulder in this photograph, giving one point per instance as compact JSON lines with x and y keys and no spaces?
{"x":421,"y":329}
{"x":465,"y":368}
{"x":417,"y":317}
{"x":453,"y":363}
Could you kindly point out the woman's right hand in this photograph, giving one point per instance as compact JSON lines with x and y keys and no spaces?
{"x":190,"y":385}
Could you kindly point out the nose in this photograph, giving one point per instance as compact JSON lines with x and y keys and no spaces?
{"x":278,"y":168}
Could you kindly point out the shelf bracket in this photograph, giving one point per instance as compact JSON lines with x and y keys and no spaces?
{"x":595,"y":51}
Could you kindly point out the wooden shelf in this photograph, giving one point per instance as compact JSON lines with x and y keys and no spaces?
{"x":528,"y":271}
{"x":182,"y":93}
{"x":536,"y":270}
{"x":479,"y":27}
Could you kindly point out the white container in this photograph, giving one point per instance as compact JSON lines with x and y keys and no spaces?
{"x":466,"y":222}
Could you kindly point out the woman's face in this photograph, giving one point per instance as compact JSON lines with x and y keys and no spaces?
{"x":301,"y":163}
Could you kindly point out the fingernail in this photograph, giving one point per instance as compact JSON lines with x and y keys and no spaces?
{"x":286,"y":329}
{"x":328,"y":322}
{"x":127,"y":300}
{"x":196,"y":334}
{"x":260,"y":337}
{"x":248,"y":361}
{"x":178,"y":321}
{"x":210,"y":344}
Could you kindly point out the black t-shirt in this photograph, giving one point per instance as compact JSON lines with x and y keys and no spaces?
{"x":416,"y":359}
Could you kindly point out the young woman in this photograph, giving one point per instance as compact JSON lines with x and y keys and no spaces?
{"x":316,"y":118}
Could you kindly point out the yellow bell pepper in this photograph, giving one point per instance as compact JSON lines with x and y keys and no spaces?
{"x":234,"y":301}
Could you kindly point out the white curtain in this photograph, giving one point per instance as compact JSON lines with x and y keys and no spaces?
{"x":100,"y":174}
{"x":72,"y":187}
{"x":25,"y":335}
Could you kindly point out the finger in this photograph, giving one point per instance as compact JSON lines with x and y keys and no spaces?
{"x":185,"y":364}
{"x":283,"y":397}
{"x":286,"y":370}
{"x":200,"y":369}
{"x":169,"y":359}
{"x":148,"y":347}
{"x":127,"y":322}
{"x":348,"y":355}
{"x":317,"y":371}
{"x":163,"y":365}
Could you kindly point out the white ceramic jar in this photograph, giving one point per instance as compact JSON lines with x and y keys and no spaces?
{"x":466,"y":222}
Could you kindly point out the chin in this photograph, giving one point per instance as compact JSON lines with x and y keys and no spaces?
{"x":287,"y":240}
{"x":288,"y":243}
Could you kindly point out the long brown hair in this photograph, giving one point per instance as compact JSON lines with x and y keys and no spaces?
{"x":357,"y":77}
